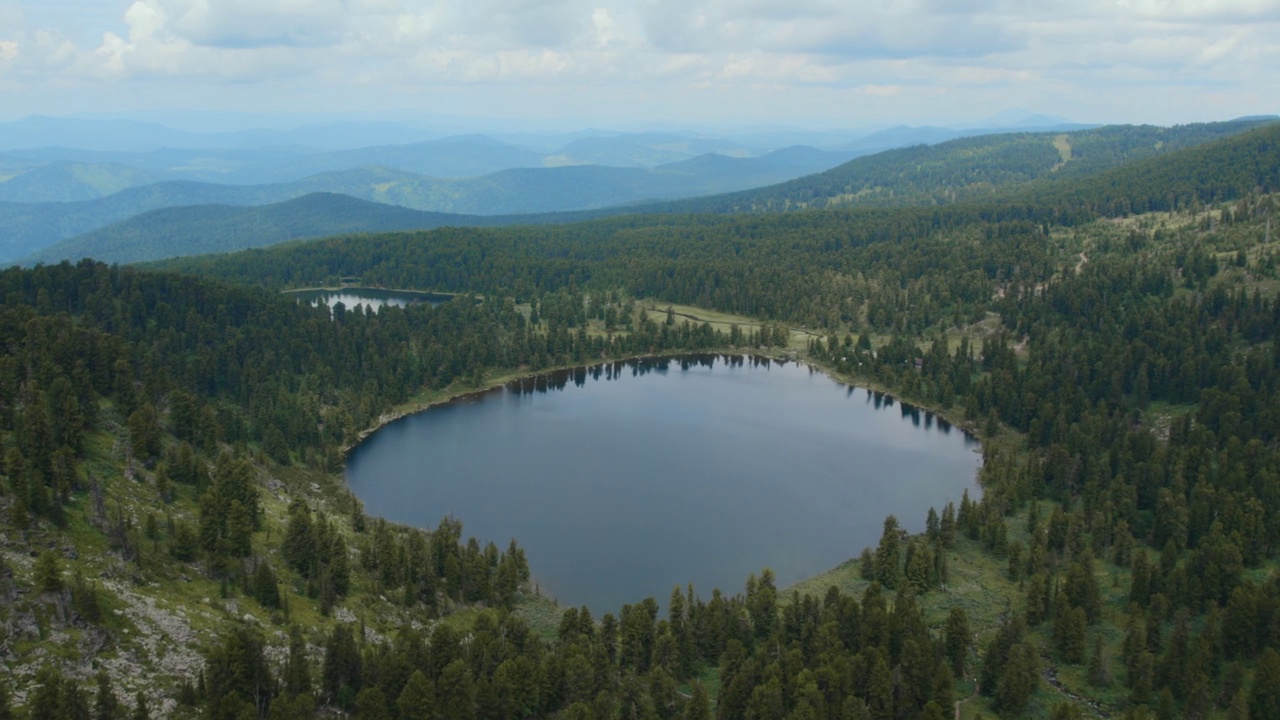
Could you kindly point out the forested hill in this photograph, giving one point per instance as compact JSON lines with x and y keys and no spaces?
{"x":30,"y":227}
{"x":204,"y":229}
{"x":967,"y":169}
{"x":1051,"y":176}
{"x":174,"y":524}
{"x":710,"y":259}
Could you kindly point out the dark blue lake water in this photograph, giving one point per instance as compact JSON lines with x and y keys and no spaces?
{"x":625,"y":480}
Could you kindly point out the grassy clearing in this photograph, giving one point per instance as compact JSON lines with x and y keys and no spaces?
{"x":656,"y":310}
{"x":542,"y":613}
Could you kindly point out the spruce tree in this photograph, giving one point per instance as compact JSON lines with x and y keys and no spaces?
{"x":72,"y":703}
{"x":1264,"y":698}
{"x":371,"y":704}
{"x":42,"y":704}
{"x":1099,"y":674}
{"x":456,"y":691}
{"x":296,"y":677}
{"x":957,"y":640}
{"x":887,"y":561}
{"x":417,"y":700}
{"x":48,"y":572}
{"x":140,"y":709}
{"x":698,"y":707}
{"x":1019,"y":680}
{"x":105,"y":704}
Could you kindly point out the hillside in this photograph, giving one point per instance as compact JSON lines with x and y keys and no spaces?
{"x":998,"y":168}
{"x":969,"y":169}
{"x":70,"y":182}
{"x":176,"y":535}
{"x":1093,"y":341}
{"x":202,"y":229}
{"x":29,"y":227}
{"x":1226,"y":170}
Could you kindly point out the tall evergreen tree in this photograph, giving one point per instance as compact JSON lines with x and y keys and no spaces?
{"x":1264,"y":698}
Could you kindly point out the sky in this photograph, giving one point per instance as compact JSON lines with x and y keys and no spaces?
{"x":812,"y":63}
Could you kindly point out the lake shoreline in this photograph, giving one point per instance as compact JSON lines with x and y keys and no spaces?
{"x":344,"y":288}
{"x":410,"y":473}
{"x":451,"y":394}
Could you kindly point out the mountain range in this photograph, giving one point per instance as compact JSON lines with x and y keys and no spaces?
{"x":32,"y":227}
{"x":214,"y":217}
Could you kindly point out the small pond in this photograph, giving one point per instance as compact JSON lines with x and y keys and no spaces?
{"x":373,"y":298}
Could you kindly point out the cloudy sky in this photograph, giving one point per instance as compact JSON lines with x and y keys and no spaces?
{"x":800,"y":62}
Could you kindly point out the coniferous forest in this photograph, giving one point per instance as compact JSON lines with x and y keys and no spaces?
{"x":178,"y":541}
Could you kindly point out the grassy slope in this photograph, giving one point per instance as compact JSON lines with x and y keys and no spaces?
{"x":162,"y":611}
{"x":979,"y":581}
{"x":968,"y":169}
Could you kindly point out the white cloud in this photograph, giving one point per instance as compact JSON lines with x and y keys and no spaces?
{"x":604,"y":27}
{"x":890,"y":29}
{"x":242,"y":23}
{"x":881,"y":90}
{"x":1217,"y":11}
{"x":774,"y":56}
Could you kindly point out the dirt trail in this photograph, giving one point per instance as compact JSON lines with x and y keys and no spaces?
{"x":959,"y":703}
{"x":1083,"y":260}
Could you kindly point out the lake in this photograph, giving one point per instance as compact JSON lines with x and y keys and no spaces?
{"x":624,"y":480}
{"x":374,"y":298}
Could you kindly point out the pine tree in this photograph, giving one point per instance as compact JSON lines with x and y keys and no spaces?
{"x":1099,"y":674}
{"x":1239,"y":707}
{"x":867,"y":564}
{"x":238,"y":678}
{"x":144,"y":432}
{"x":342,"y":671}
{"x":1165,"y":709}
{"x":105,"y":704}
{"x":371,"y":704}
{"x":957,"y":640}
{"x":266,"y":589}
{"x":762,"y":604}
{"x":698,"y":707}
{"x":1142,"y":679}
{"x":947,"y":526}
{"x":1069,"y":632}
{"x":932,"y":711}
{"x":919,"y":567}
{"x":140,"y":709}
{"x":1019,"y":680}
{"x":43,"y":703}
{"x":72,"y":703}
{"x":48,"y":571}
{"x":456,"y":692}
{"x":887,"y":567}
{"x":296,"y":678}
{"x":766,"y":700}
{"x":417,"y":700}
{"x":1264,"y":698}
{"x":880,"y":691}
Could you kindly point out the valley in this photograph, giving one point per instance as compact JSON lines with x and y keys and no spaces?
{"x":177,"y":521}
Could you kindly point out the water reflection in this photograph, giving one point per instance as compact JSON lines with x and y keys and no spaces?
{"x":359,"y":299}
{"x":557,"y":380}
{"x":623,"y":479}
